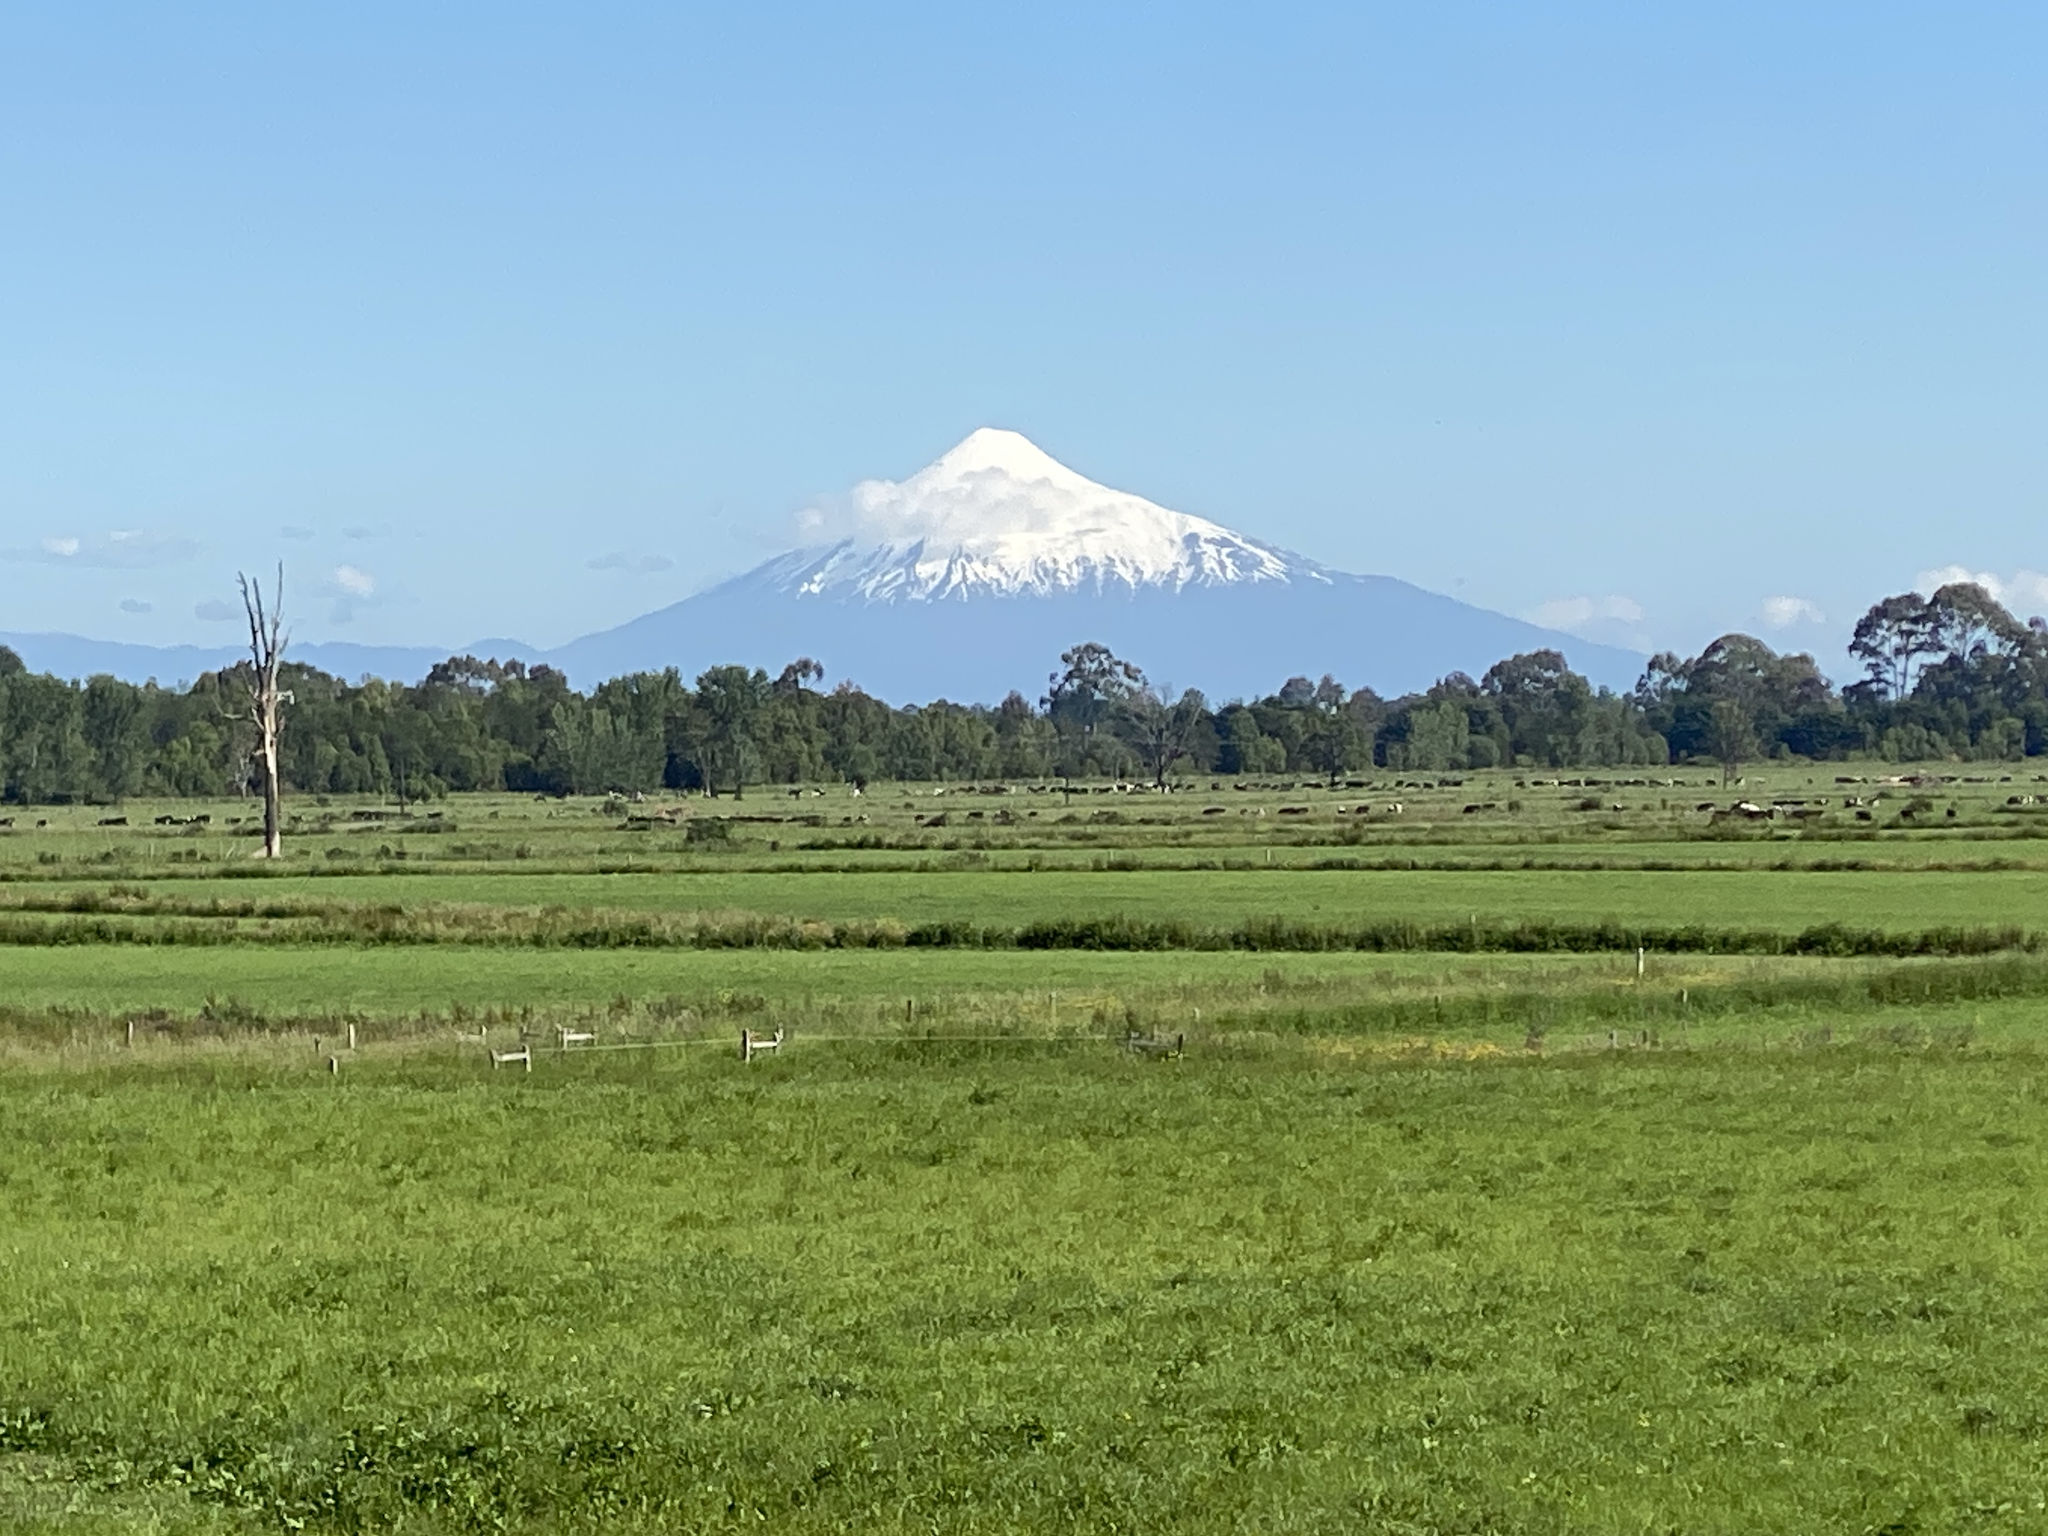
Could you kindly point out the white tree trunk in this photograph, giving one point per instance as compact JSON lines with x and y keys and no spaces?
{"x":266,"y":702}
{"x":273,"y":818}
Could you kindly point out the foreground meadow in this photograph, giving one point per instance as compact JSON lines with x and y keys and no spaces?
{"x":973,"y":1288}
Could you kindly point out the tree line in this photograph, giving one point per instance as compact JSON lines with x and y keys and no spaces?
{"x":1953,"y":675}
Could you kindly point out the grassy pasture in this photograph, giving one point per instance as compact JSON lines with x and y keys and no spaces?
{"x":1781,"y":900}
{"x":1711,"y":1290}
{"x":1421,"y":1241}
{"x":403,"y":996}
{"x":1215,"y":999}
{"x":293,"y":983}
{"x":1902,"y":818}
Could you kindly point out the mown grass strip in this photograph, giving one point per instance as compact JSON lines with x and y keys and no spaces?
{"x":1658,"y":1008}
{"x":1458,"y":1007}
{"x":1777,"y":856}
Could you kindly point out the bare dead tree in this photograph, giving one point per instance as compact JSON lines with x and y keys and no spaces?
{"x":1161,"y":728}
{"x":267,"y":641}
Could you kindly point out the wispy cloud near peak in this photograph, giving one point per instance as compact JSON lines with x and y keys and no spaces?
{"x":120,"y":549}
{"x":644,"y":565}
{"x":1785,"y":612}
{"x":2025,"y":592}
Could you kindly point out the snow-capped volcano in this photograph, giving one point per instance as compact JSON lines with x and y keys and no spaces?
{"x":969,"y":578}
{"x":997,"y":516}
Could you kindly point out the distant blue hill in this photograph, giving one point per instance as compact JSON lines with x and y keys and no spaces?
{"x":75,"y":657}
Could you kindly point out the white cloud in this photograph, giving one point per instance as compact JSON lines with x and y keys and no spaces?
{"x":213,"y":611}
{"x":645,"y":565}
{"x":2025,"y":592}
{"x":1610,"y":620}
{"x":352,"y":588}
{"x":135,"y":605}
{"x":121,"y":549}
{"x":1784,"y":612}
{"x":296,"y":531}
{"x":1572,"y":614}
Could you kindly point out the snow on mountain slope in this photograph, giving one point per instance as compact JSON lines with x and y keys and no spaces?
{"x":999,"y":517}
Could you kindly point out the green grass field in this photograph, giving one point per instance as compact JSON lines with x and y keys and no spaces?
{"x":1713,"y":1291}
{"x":311,"y":982}
{"x":1787,"y":900}
{"x":1416,"y":1242}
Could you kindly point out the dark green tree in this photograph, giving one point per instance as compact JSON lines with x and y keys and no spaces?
{"x":1083,"y":701}
{"x":1892,"y":639}
{"x":727,"y":714}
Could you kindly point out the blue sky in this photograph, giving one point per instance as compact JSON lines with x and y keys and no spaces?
{"x":510,"y":320}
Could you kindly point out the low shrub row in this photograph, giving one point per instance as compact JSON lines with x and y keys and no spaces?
{"x":560,"y":928}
